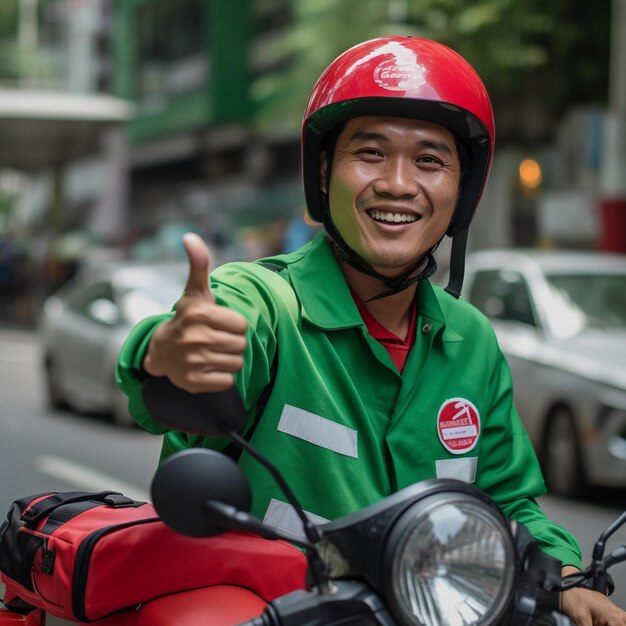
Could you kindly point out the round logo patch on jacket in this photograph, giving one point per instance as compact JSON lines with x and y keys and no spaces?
{"x":458,"y":425}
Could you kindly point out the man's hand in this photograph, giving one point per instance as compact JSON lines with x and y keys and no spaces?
{"x":202,"y":346}
{"x":590,"y":608}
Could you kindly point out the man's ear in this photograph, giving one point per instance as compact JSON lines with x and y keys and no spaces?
{"x":324,"y":171}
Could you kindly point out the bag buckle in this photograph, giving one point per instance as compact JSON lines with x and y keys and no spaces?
{"x":119,"y":501}
{"x":47,"y":560}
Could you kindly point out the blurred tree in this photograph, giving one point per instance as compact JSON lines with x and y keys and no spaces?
{"x":21,"y":59}
{"x":9,"y":47}
{"x":537,"y":54}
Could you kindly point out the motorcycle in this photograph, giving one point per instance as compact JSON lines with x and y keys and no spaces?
{"x":437,"y":553}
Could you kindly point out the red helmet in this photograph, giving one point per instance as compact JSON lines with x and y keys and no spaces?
{"x":402,"y":77}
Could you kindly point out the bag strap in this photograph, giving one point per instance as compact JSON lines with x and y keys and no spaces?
{"x":44,"y":507}
{"x":70,"y":510}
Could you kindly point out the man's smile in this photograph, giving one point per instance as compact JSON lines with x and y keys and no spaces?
{"x":395,"y":217}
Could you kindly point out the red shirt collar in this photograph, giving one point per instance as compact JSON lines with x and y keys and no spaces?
{"x":397,"y":347}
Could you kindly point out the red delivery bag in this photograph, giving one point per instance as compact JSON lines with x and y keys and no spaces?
{"x":84,"y":556}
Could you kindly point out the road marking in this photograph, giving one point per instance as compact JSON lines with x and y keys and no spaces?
{"x":85,"y":477}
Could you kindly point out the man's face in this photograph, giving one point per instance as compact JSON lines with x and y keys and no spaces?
{"x":393,"y":188}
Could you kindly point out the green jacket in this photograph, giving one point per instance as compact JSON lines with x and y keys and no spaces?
{"x":342,"y":424}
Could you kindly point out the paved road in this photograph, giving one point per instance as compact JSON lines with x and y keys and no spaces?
{"x":41,"y":450}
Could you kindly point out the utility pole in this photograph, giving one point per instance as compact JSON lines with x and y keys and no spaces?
{"x":613,"y":173}
{"x":617,"y":75}
{"x":28,"y":32}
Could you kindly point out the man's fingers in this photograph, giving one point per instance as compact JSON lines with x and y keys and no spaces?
{"x":199,"y":382}
{"x":221,"y":362}
{"x":199,"y":263}
{"x":213,"y":341}
{"x":216,"y":317}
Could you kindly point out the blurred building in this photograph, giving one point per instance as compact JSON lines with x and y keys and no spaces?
{"x":62,"y":133}
{"x":62,"y":128}
{"x":190,"y":153}
{"x":193,"y":153}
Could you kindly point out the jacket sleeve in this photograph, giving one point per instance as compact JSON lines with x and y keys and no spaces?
{"x":129,"y":373}
{"x":510,"y":473}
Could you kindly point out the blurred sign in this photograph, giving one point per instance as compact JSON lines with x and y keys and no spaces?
{"x":613,"y":178}
{"x":568,"y":215}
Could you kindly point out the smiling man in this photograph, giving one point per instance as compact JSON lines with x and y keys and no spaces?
{"x":388,"y":177}
{"x":358,"y":376}
{"x":391,"y":196}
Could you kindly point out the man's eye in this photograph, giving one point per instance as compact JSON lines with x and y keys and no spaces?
{"x":370,"y":152}
{"x":429,"y":160}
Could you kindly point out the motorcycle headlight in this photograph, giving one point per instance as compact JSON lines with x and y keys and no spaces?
{"x":449,"y":561}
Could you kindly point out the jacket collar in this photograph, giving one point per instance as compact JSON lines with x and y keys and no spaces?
{"x":322,"y":288}
{"x":325,"y":296}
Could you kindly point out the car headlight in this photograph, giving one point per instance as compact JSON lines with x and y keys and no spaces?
{"x":449,"y":561}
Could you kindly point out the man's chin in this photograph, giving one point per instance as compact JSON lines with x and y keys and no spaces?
{"x":393,"y":268}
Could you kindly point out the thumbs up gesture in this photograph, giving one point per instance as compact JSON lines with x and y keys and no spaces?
{"x":202,"y":346}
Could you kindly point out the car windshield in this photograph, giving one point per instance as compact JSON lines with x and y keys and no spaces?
{"x":152,"y":299}
{"x":591,"y":300}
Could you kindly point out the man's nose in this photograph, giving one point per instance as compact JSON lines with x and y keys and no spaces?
{"x":398,"y":179}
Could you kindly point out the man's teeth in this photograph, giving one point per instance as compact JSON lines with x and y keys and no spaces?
{"x":385,"y":216}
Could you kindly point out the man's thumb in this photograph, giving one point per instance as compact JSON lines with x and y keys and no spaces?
{"x":199,"y":262}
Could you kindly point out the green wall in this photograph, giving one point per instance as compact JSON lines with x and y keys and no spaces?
{"x":218,"y":96}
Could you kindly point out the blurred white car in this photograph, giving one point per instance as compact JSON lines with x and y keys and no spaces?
{"x":85,"y":323}
{"x":560,"y":318}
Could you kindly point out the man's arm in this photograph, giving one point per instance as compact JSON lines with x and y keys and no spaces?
{"x":590,"y":608}
{"x":129,"y":373}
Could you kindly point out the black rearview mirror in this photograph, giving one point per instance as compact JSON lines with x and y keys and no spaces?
{"x":186,"y":481}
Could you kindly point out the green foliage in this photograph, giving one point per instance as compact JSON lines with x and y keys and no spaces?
{"x":15,"y":61}
{"x":501,"y":38}
{"x":322,"y":30}
{"x":6,"y":203}
{"x":8,"y":18}
{"x":508,"y":42}
{"x":9,"y":52}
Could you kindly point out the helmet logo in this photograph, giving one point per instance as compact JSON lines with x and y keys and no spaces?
{"x":398,"y":75}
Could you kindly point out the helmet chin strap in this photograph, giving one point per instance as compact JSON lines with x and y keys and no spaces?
{"x":457,"y":263}
{"x":395,"y":285}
